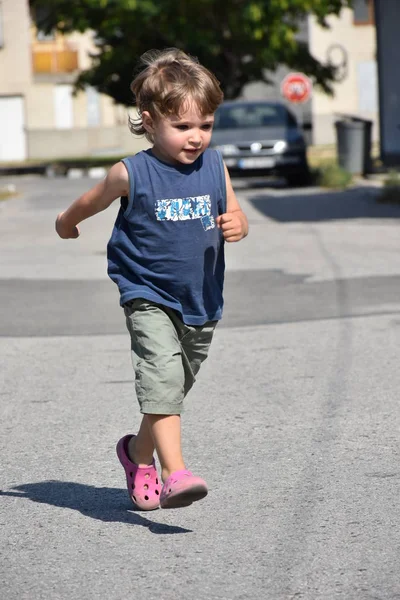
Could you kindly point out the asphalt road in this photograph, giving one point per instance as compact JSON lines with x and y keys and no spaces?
{"x":294,"y":421}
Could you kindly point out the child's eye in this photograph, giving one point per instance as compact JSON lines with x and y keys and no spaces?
{"x":207,"y":127}
{"x":182,"y":127}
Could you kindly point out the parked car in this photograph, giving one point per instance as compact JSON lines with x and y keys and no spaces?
{"x":261,"y":138}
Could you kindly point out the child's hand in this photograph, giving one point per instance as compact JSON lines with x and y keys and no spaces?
{"x":64,"y":231}
{"x":232,"y":225}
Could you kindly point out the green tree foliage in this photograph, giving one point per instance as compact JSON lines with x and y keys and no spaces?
{"x":239,"y":40}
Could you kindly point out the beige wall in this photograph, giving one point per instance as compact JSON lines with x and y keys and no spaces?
{"x":39,"y":106}
{"x":83,"y":43}
{"x":360,"y":46}
{"x":79,"y":107}
{"x":15,"y":56}
{"x":108,"y":110}
{"x":69,"y":143}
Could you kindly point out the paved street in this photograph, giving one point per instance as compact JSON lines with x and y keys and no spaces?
{"x":294,"y":421}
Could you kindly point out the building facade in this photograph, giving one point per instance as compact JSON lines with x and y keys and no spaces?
{"x":42,"y":118}
{"x":349,"y":44}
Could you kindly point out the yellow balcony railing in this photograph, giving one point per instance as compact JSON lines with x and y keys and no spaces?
{"x":55,"y":61}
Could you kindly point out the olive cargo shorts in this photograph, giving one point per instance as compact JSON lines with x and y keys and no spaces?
{"x":166,"y":355}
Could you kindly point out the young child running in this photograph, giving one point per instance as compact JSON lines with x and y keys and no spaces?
{"x":166,"y":254}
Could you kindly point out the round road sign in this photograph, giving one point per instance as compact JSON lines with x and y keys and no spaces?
{"x":296,"y":87}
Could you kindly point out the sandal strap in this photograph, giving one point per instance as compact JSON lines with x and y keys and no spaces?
{"x":176,"y":475}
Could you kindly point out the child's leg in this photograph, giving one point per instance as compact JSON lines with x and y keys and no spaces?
{"x":160,"y":385}
{"x":162,"y":432}
{"x":166,"y":431}
{"x":141,"y":446}
{"x":165,"y":368}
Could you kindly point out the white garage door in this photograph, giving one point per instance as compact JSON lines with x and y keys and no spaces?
{"x":12,"y":128}
{"x":64,"y":116}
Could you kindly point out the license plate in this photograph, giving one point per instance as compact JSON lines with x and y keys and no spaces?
{"x":257,"y":162}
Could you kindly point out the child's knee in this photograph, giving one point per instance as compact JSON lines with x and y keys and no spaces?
{"x":160,"y":388}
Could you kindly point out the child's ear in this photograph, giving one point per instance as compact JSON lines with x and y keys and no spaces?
{"x":148,"y":121}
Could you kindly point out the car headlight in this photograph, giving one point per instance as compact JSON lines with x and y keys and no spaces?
{"x":280,"y":146}
{"x":227,"y":149}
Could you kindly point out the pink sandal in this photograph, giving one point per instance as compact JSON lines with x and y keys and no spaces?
{"x":143,"y":483}
{"x":182,"y":488}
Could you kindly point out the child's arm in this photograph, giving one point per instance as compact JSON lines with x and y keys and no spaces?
{"x":98,"y":198}
{"x":233,"y":223}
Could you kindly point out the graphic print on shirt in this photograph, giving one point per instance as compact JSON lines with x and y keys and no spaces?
{"x":183,"y":209}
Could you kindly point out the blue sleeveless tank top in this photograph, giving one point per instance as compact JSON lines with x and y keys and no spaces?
{"x":165,"y":245}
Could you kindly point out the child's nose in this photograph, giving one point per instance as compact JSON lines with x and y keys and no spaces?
{"x":195,"y":138}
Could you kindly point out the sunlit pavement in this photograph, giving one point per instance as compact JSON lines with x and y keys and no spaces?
{"x":294,"y":421}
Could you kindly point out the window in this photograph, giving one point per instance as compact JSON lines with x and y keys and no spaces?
{"x":40,"y":16}
{"x":93,"y":107}
{"x":243,"y":115}
{"x":41,"y":36}
{"x":363,"y":12}
{"x":63,"y":106}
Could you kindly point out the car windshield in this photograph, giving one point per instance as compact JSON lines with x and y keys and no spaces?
{"x":246,"y":116}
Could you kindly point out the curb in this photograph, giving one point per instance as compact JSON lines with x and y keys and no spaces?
{"x":49,"y":170}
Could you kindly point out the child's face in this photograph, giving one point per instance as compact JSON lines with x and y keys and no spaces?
{"x":180,"y":138}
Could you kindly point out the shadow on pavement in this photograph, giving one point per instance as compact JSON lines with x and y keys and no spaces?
{"x":45,"y":308}
{"x":317,"y":205}
{"x":103,"y":504}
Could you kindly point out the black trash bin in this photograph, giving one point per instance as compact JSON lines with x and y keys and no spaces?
{"x":354,"y":137}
